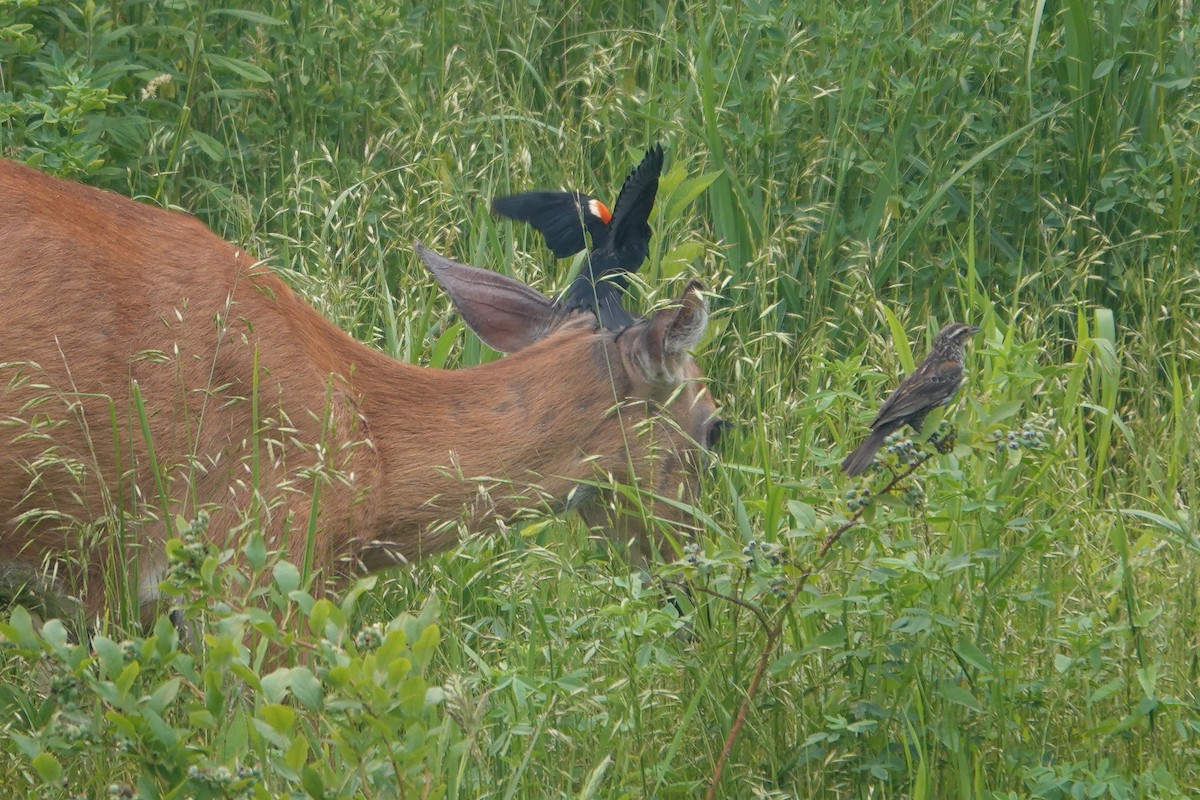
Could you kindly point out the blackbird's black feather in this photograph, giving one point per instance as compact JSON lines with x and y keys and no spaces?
{"x":560,"y":217}
{"x":620,"y":243}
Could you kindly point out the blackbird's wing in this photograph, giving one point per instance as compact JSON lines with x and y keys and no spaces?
{"x":560,"y":217}
{"x":629,"y":230}
{"x":928,"y":386}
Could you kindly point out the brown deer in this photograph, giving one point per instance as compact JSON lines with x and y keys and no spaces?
{"x":149,"y":369}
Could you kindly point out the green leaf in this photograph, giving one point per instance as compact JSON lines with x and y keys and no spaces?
{"x":109,"y":656}
{"x":398,"y":668}
{"x":971,"y":654}
{"x":1170,"y":525}
{"x":412,"y":695}
{"x":202,"y":718}
{"x":998,"y":412}
{"x":256,"y":17}
{"x":307,"y":689}
{"x":28,"y":746}
{"x":1103,"y":68}
{"x":164,"y":695}
{"x":281,"y":718}
{"x":287,"y":577}
{"x":210,"y":146}
{"x":688,"y":191}
{"x":245,"y":69}
{"x":166,"y":637}
{"x":441,"y":348}
{"x":275,"y":685}
{"x":122,"y":723}
{"x":124,"y":680}
{"x":318,"y":618}
{"x":350,"y":598}
{"x":958,"y":695}
{"x":311,"y":782}
{"x":297,"y":753}
{"x":678,"y":259}
{"x":47,"y":767}
{"x":55,"y":633}
{"x":900,"y":340}
{"x":20,"y":629}
{"x":255,"y":551}
{"x":424,"y":646}
{"x":161,"y":733}
{"x":804,"y":515}
{"x":235,"y":732}
{"x":834,"y":637}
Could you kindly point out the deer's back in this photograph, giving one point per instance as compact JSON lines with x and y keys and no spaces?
{"x":114,"y":311}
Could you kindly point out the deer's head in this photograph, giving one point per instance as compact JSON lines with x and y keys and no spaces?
{"x":641,"y":417}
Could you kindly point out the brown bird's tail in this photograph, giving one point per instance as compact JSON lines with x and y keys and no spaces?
{"x":857,"y":462}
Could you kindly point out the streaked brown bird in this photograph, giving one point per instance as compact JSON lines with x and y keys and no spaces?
{"x":620,"y":238}
{"x":932,"y":384}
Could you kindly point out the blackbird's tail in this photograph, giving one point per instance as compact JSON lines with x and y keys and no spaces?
{"x":602,"y":298}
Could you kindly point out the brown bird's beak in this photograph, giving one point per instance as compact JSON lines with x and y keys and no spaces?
{"x":974,"y":330}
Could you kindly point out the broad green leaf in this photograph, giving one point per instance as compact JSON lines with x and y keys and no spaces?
{"x":243,"y":68}
{"x":281,"y":718}
{"x":958,"y":695}
{"x":47,"y":767}
{"x":256,"y":17}
{"x":287,"y":577}
{"x":971,"y":654}
{"x":307,"y":689}
{"x":688,"y":191}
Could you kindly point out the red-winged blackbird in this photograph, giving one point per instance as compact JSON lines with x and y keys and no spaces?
{"x":620,"y":239}
{"x":932,"y":384}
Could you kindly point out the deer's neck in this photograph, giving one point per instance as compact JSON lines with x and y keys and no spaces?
{"x":479,"y":444}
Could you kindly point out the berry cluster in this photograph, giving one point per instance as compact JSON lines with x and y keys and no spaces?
{"x":222,"y":777}
{"x":1028,"y":438}
{"x":68,"y":731}
{"x":857,"y":498}
{"x":130,"y":650}
{"x":66,"y":688}
{"x":369,"y":637}
{"x":189,"y":555}
{"x":772,"y":553}
{"x":914,"y":496}
{"x":903,"y":448}
{"x":944,"y":437}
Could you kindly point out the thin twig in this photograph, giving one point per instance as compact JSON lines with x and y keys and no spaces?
{"x":775,"y":630}
{"x":737,"y":601}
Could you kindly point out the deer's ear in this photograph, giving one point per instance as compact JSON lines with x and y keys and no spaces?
{"x":505,"y":313}
{"x":672,"y":332}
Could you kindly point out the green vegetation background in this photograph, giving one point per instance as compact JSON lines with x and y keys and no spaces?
{"x":845,"y":177}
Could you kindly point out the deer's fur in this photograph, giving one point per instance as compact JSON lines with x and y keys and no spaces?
{"x":116,"y":316}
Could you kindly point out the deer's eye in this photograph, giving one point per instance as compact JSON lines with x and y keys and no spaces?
{"x":715,"y":429}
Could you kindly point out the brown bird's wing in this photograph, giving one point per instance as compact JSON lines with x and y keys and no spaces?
{"x":928,"y":386}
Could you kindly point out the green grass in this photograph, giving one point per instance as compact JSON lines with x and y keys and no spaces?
{"x":1028,"y":630}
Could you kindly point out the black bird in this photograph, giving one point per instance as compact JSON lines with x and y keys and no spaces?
{"x":620,"y":238}
{"x":932,"y":384}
